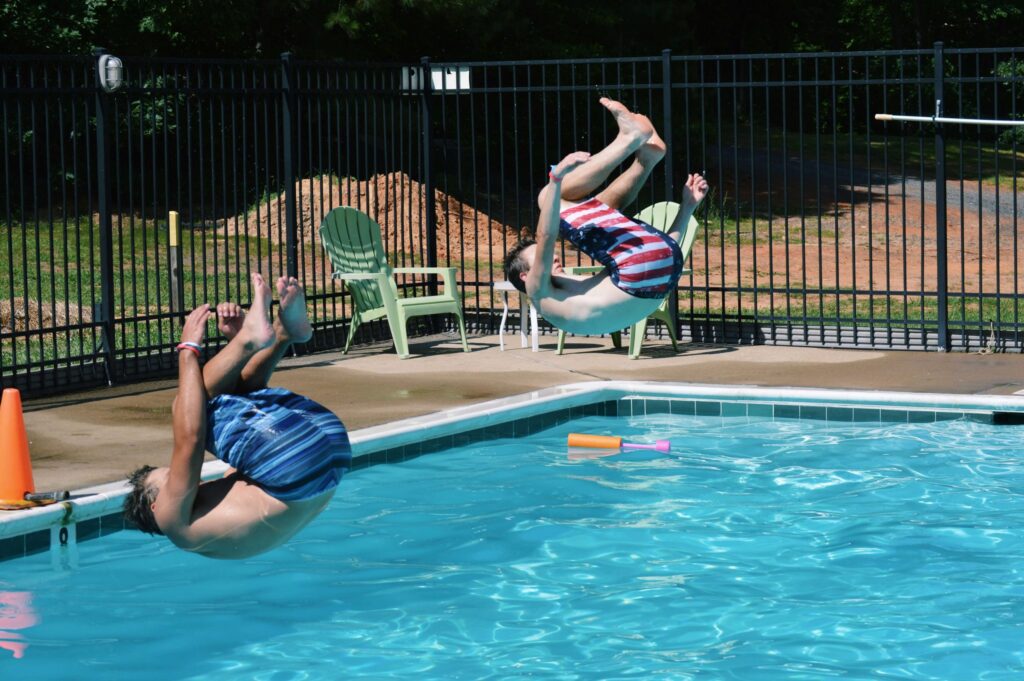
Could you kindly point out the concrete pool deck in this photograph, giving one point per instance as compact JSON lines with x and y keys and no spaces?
{"x":94,"y":437}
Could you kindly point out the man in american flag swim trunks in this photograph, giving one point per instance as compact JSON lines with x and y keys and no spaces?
{"x":642,"y":264}
{"x":286,"y":452}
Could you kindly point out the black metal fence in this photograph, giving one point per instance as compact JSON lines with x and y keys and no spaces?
{"x":825,"y":226}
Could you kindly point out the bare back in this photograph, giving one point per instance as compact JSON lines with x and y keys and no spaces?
{"x":592,"y":305}
{"x":235,"y":518}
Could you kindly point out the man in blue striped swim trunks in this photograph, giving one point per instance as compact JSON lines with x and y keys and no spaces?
{"x":286,"y":452}
{"x":642,"y":265}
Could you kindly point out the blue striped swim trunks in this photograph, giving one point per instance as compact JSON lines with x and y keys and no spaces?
{"x":288,"y":444}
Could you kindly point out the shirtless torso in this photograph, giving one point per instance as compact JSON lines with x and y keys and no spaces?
{"x":591,"y":304}
{"x":234,"y":518}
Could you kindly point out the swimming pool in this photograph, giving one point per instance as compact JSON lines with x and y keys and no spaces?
{"x":881,"y":541}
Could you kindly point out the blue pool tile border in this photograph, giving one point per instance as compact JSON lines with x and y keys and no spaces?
{"x":40,"y":541}
{"x":531,"y":414}
{"x":646,"y":406}
{"x":511,"y":429}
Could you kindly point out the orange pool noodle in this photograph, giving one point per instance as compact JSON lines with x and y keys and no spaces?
{"x":15,"y":466}
{"x":594,"y":441}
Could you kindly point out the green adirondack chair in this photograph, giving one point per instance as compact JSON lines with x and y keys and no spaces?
{"x":353,"y":244}
{"x":660,"y":215}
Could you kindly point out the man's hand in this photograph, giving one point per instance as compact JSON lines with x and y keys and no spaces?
{"x":694,"y":191}
{"x":195,"y":325}
{"x":564,"y":166}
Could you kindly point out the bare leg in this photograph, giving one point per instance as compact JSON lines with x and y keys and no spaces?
{"x":254,"y":334}
{"x":291,"y":326}
{"x":624,"y":188}
{"x":634,"y":132}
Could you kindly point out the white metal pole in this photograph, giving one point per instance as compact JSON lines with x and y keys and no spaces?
{"x":941,"y":119}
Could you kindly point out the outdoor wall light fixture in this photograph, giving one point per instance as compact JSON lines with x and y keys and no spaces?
{"x":111,"y":73}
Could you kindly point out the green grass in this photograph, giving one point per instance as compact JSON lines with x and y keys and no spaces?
{"x":55,"y":268}
{"x":760,"y":231}
{"x":845,"y":308}
{"x":59,"y":263}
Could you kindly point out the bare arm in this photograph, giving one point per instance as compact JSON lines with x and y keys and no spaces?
{"x":694,"y":191}
{"x":174,"y":504}
{"x":538,"y":281}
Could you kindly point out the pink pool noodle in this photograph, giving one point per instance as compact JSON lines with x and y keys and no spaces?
{"x":658,"y":446}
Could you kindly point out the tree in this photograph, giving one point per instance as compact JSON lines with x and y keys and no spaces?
{"x":405,"y":30}
{"x":49,"y":26}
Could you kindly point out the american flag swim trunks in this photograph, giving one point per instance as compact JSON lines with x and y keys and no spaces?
{"x":642,"y":261}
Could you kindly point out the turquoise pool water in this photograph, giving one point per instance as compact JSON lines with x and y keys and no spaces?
{"x":755,"y":550}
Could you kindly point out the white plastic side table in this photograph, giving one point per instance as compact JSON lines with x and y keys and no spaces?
{"x":524,"y":304}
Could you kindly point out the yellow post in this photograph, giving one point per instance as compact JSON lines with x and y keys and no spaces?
{"x":173,"y":232}
{"x":173,"y":228}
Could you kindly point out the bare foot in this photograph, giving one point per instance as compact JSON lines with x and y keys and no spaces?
{"x":229,"y":319}
{"x":291,"y":317}
{"x":634,"y":126}
{"x":652,"y":151}
{"x":256,"y":331}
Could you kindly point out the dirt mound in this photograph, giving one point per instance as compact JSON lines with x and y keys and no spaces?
{"x":396,"y":202}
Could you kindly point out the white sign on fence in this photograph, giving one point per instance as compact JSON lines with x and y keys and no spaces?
{"x":442,"y":78}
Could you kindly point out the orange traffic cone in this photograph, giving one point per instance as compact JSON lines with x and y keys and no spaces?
{"x":15,"y":466}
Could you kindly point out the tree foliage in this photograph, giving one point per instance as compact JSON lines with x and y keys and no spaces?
{"x":385,"y":30}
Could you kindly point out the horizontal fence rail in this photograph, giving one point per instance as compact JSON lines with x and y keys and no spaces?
{"x":827,"y":225}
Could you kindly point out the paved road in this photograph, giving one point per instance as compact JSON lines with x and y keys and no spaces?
{"x":837,"y":181}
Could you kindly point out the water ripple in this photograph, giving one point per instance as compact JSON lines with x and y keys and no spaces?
{"x":755,"y":550}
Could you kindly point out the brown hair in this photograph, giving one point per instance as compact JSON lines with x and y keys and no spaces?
{"x":516,"y":266}
{"x":138,"y":504}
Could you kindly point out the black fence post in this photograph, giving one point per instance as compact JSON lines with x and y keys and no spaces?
{"x":106,"y":306}
{"x":666,"y":95}
{"x":429,"y":206}
{"x":288,"y":104}
{"x":670,"y":190}
{"x":941,"y":283}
